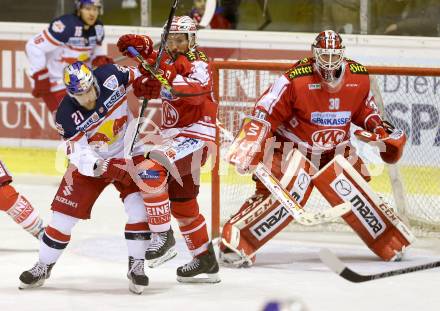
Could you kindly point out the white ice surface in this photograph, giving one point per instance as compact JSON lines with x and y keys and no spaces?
{"x":90,"y":275}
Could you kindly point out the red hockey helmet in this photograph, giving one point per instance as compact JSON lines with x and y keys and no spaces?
{"x":328,"y":51}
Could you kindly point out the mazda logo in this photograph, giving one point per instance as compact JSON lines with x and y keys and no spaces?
{"x":343,"y":187}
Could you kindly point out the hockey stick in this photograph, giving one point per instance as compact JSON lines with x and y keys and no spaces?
{"x":159,"y":77}
{"x":335,"y":264}
{"x":293,"y":207}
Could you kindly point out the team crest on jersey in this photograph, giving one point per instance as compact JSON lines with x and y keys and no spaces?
{"x":299,"y":71}
{"x":58,"y":26}
{"x":111,"y":83}
{"x":170,"y":116}
{"x":328,"y":139}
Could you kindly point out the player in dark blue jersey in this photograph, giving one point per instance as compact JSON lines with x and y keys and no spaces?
{"x":93,"y":119}
{"x":69,"y":38}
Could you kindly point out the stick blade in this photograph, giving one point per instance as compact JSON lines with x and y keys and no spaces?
{"x":331,"y":260}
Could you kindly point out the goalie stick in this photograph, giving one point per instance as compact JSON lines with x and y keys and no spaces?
{"x":336,"y":265}
{"x":297,"y":212}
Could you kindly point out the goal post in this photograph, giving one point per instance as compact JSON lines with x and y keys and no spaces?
{"x":411,"y":101}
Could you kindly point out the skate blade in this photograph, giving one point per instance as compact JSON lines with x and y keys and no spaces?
{"x":170,"y":254}
{"x":28,"y":286}
{"x":136,"y":289}
{"x":201,"y":278}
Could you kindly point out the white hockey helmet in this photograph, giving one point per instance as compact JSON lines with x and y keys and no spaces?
{"x":185,"y":24}
{"x":328,"y":51}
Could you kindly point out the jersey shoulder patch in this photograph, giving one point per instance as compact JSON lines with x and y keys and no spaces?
{"x":62,"y":28}
{"x":355,"y":67}
{"x":192,"y":56}
{"x":111,"y":83}
{"x":112,"y":75}
{"x":301,"y":68}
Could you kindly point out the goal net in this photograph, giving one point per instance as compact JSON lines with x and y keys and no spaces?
{"x":411,"y":101}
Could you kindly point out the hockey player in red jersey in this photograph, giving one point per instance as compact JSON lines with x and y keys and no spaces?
{"x":188,"y":128}
{"x":17,"y":206}
{"x":93,"y":119}
{"x":308,"y":111}
{"x":69,"y":38}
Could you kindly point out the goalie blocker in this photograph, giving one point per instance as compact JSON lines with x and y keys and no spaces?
{"x":262,"y":217}
{"x":371,"y":218}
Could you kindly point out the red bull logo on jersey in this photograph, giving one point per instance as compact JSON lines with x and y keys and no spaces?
{"x":108,"y":132}
{"x":170,"y":116}
{"x":328,"y":139}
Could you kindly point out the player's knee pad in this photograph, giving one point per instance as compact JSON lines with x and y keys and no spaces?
{"x":371,"y":218}
{"x":185,"y":208}
{"x":153,"y":175}
{"x":134,"y":208}
{"x":63,"y":223}
{"x":8,"y":197}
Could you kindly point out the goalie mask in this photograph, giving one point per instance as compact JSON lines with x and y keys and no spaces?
{"x":328,"y":51}
{"x":181,"y":44}
{"x":81,"y":84}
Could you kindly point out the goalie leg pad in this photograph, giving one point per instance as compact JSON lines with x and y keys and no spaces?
{"x":261,"y":218}
{"x":371,"y":218}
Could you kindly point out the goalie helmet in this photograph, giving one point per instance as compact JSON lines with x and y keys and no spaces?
{"x":185,"y":25}
{"x":328,"y":51}
{"x":97,"y":3}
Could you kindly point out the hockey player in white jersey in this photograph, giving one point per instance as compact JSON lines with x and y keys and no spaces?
{"x":72,"y":37}
{"x":17,"y":206}
{"x":93,"y":119}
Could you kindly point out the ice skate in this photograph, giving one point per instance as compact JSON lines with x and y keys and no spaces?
{"x":136,"y":275}
{"x":202,"y":269}
{"x":36,"y":276}
{"x":161,"y":248}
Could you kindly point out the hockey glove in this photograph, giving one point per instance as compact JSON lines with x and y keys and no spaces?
{"x":143,"y":44}
{"x":115,"y":169}
{"x":102,"y":60}
{"x":393,"y":139}
{"x":166,"y":70}
{"x":42,"y":83}
{"x":147,"y":87}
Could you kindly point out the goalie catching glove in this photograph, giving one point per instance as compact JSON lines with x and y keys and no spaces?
{"x":390,"y":140}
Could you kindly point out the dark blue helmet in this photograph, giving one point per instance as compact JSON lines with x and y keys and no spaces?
{"x":97,"y":3}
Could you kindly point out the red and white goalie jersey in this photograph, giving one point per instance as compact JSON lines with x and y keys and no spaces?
{"x":193,"y":116}
{"x":302,"y":109}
